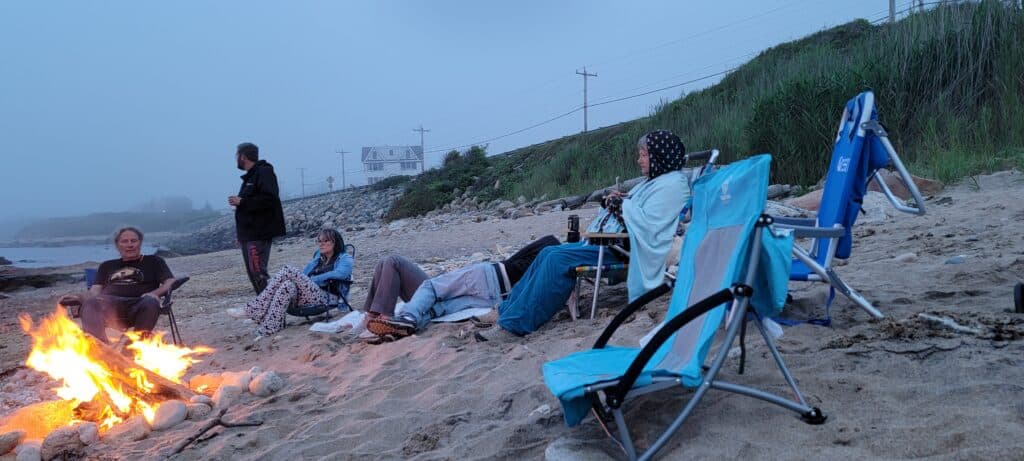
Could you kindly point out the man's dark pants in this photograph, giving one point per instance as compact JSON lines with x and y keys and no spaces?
{"x":256,"y":254}
{"x":122,"y":313}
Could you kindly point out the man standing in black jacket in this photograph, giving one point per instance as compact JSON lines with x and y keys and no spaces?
{"x":258,"y":214}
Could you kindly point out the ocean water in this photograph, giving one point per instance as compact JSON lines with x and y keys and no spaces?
{"x":31,"y":257}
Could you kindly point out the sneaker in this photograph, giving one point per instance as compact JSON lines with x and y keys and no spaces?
{"x":237,"y":312}
{"x":495,"y":334}
{"x":400,"y":327}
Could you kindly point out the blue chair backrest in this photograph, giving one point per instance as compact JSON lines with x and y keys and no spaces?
{"x":726,"y":206}
{"x":856,"y":155}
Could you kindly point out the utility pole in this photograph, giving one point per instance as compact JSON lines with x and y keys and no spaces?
{"x":302,"y":180}
{"x":423,"y":160}
{"x":585,"y":75}
{"x":892,"y":11}
{"x":342,"y":152}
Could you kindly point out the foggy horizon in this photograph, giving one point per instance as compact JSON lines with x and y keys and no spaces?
{"x":110,"y":105}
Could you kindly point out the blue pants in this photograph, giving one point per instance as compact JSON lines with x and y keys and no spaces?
{"x":545,"y":287}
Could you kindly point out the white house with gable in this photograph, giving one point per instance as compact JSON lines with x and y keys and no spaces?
{"x":380,"y":162}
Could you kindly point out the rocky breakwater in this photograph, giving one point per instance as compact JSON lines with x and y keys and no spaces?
{"x":350,"y":209}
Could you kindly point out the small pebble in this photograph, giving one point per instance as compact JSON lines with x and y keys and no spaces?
{"x":958,"y":259}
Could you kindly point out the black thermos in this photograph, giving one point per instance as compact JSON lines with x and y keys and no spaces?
{"x":574,"y":229}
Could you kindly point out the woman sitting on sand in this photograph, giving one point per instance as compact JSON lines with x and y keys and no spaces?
{"x":288,"y":285}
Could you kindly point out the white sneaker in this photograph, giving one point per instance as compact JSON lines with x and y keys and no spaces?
{"x":237,"y":312}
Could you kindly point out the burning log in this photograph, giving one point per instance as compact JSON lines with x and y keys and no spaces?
{"x":134,"y":380}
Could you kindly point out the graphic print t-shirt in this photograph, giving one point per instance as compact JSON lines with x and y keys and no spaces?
{"x":132,"y":279}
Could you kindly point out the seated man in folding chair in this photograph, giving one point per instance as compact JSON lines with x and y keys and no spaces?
{"x":127,"y":290}
{"x":650,"y":214}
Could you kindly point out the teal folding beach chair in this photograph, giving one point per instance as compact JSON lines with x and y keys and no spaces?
{"x":733,"y":268}
{"x":860,"y":151}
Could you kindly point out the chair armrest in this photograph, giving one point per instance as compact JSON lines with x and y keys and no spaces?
{"x":617,"y":394}
{"x":178,"y":282}
{"x":811,"y":231}
{"x":630,"y":308}
{"x":709,"y":156}
{"x":803,"y":222}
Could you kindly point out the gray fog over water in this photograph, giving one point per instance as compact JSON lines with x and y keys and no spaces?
{"x":33,"y":257}
{"x":109,"y":104}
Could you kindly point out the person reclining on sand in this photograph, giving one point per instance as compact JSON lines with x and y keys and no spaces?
{"x":475,"y":286}
{"x":288,"y":285}
{"x":127,"y":290}
{"x":650,"y":214}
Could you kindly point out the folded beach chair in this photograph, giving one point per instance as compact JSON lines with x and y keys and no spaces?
{"x":615,"y":273}
{"x":338,"y":293}
{"x":733,"y":268}
{"x":861,"y":149}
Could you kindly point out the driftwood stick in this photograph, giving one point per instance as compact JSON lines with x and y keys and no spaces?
{"x":180,"y":446}
{"x":216,"y":421}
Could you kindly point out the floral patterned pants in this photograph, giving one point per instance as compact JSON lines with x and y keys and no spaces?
{"x":289,"y":284}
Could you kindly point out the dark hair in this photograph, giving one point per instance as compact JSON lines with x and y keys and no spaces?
{"x":249,"y":151}
{"x":123,"y":229}
{"x":336,"y":238}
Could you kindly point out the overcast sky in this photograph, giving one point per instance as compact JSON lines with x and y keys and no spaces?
{"x":104,"y":105}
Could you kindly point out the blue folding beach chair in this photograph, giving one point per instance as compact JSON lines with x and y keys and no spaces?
{"x":733,"y":268}
{"x":861,"y":149}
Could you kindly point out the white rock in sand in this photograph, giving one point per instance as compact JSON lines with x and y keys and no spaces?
{"x":238,"y":379}
{"x":169,"y":414}
{"x":63,"y":442}
{"x":135,"y":428}
{"x":10,"y":440}
{"x":197,"y":411}
{"x":89,"y":433}
{"x":226,"y":395}
{"x":28,"y":451}
{"x":201,"y":399}
{"x":266,"y":383}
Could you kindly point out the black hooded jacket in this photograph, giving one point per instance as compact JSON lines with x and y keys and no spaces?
{"x":259,"y":216}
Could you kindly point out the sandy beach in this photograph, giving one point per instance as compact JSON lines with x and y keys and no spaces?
{"x":897,"y":388}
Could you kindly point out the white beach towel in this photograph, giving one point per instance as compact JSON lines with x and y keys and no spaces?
{"x":347,"y":322}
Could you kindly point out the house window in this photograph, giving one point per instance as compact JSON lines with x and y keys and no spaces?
{"x":409,"y":165}
{"x":375,"y":166}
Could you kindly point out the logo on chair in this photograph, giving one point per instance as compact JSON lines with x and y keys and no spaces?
{"x":844,"y":164}
{"x":725,"y":196}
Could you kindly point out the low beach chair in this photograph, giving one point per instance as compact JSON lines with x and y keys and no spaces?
{"x":73,"y":304}
{"x":338,"y":293}
{"x":616,"y":273}
{"x":733,"y":268}
{"x":861,"y":149}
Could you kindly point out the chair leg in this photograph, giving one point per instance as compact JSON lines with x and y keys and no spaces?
{"x":175,"y":334}
{"x":853,"y":295}
{"x":597,"y":282}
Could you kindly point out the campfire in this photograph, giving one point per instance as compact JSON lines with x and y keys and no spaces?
{"x":102,"y":384}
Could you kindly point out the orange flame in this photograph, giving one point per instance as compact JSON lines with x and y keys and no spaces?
{"x":60,"y":349}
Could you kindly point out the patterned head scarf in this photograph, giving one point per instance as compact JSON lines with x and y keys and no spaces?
{"x":667,"y":152}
